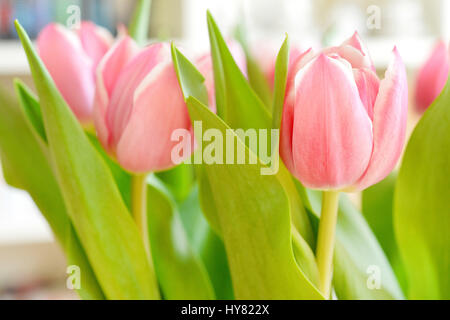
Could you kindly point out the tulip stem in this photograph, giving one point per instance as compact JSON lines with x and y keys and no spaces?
{"x":325,"y":241}
{"x":139,"y":209}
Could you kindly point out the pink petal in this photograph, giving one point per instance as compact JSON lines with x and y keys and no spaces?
{"x":332,"y":133}
{"x":432,"y":77}
{"x":107,"y":73}
{"x":389,"y":124}
{"x":352,"y":55}
{"x":368,"y":85}
{"x":354,"y":51}
{"x":63,"y":55}
{"x":356,"y":42}
{"x":120,"y":105}
{"x":294,"y":67}
{"x":288,"y":109}
{"x":159,"y":109}
{"x":95,"y":40}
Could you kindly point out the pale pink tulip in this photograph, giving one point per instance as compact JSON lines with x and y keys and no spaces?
{"x":138,"y":105}
{"x":71,"y":58}
{"x":205,"y":66}
{"x":432,"y":77}
{"x":343,"y":128}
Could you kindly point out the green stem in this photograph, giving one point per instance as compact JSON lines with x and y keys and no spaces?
{"x":139,"y":207}
{"x":325,"y":241}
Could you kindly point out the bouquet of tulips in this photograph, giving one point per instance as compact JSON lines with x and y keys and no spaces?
{"x":166,"y":176}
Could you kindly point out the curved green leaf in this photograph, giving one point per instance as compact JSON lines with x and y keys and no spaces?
{"x":100,"y":217}
{"x":171,"y":249}
{"x":255,"y":226}
{"x":242,"y":109}
{"x":180,"y":272}
{"x":207,"y":245}
{"x":377,"y":204}
{"x":422,"y":206}
{"x":25,"y":165}
{"x":204,"y":240}
{"x":377,"y":208}
{"x":281,"y":72}
{"x":191,"y":80}
{"x":299,"y":215}
{"x":237,"y":104}
{"x":31,"y":108}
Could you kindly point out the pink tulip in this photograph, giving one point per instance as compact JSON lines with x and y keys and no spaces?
{"x":343,"y":128}
{"x":432,"y":77}
{"x":138,"y":105}
{"x":71,"y":58}
{"x":205,"y":66}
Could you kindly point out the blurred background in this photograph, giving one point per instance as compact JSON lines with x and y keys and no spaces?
{"x":31,"y":264}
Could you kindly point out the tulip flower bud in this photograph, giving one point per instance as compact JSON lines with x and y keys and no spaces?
{"x":138,"y":105}
{"x":432,"y":77}
{"x":71,"y":58}
{"x":343,"y":128}
{"x":205,"y":66}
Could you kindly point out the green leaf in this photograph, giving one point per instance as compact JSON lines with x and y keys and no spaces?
{"x":207,"y":245}
{"x":207,"y":202}
{"x":31,"y":108}
{"x":305,"y":257}
{"x":204,"y":240}
{"x":25,"y":165}
{"x":422,"y":206}
{"x":140,"y":21}
{"x":242,"y":109}
{"x":163,"y":223}
{"x":122,"y":178}
{"x":237,"y":104}
{"x":299,"y":215}
{"x":170,"y":247}
{"x":93,"y":202}
{"x":180,"y":271}
{"x":281,"y":71}
{"x":377,"y":208}
{"x":255,"y":226}
{"x":358,"y":255}
{"x":191,"y":81}
{"x":75,"y":255}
